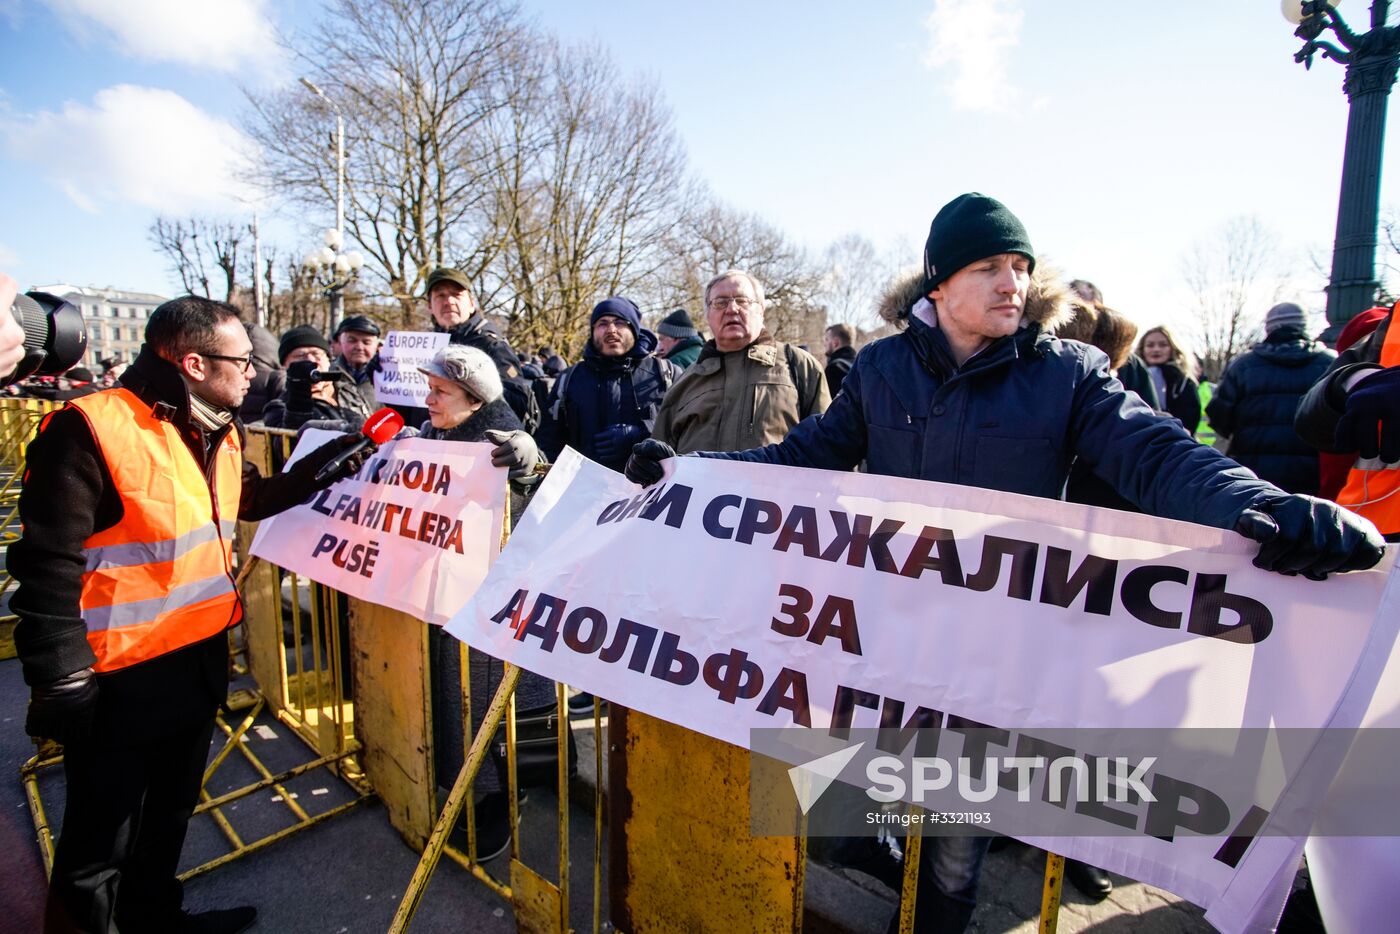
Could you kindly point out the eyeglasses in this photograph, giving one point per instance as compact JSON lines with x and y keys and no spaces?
{"x":244,"y":363}
{"x":724,"y":303}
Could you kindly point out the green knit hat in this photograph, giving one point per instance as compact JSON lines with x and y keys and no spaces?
{"x":969,"y":228}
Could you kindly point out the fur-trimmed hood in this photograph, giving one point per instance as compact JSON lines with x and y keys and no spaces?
{"x":1047,"y":300}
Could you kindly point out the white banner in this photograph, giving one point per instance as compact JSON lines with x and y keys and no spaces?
{"x":735,"y":596}
{"x":415,"y":529}
{"x":398,"y":382}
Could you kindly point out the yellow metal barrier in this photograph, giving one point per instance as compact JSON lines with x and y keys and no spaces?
{"x":19,"y":420}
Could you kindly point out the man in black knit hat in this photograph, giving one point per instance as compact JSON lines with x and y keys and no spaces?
{"x":678,"y":339}
{"x":976,"y":390}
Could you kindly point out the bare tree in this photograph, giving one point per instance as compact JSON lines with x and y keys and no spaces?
{"x":415,"y":80}
{"x":1232,"y":278}
{"x":588,"y":190}
{"x":201,"y":250}
{"x":854,"y":275}
{"x":714,"y":237}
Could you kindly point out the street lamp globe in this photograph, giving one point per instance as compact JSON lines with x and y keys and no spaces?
{"x":311,"y":260}
{"x":356,"y":259}
{"x":1292,"y":11}
{"x":333,"y":238}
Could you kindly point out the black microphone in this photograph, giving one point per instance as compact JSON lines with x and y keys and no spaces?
{"x":377,"y":429}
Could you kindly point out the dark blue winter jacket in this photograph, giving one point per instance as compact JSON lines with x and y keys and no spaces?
{"x":1013,"y":417}
{"x":600,"y":392}
{"x":1255,"y":402}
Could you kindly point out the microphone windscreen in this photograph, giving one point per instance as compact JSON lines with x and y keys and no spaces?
{"x":382,"y":425}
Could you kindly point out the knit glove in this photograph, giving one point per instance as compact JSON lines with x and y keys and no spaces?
{"x":64,"y":709}
{"x":1309,"y":536}
{"x":644,"y":464}
{"x":1370,"y":424}
{"x":514,"y":449}
{"x":614,"y":442}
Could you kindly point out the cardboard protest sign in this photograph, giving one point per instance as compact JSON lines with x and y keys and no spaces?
{"x":735,"y":598}
{"x":398,"y":382}
{"x":415,"y":529}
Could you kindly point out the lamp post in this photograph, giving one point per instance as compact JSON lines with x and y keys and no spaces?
{"x":333,"y":270}
{"x":337,"y":299}
{"x":1371,"y":59}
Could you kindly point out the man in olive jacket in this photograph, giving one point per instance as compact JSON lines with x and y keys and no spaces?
{"x":746,"y":389}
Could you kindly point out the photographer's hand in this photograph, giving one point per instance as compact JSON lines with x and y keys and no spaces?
{"x":11,"y":334}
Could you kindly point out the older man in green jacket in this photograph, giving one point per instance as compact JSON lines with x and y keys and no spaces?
{"x":746,"y":389}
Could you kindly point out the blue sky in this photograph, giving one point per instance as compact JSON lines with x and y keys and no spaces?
{"x":1120,"y":133}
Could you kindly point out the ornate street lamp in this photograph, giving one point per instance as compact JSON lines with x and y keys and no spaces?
{"x":333,"y":270}
{"x":1371,"y":60}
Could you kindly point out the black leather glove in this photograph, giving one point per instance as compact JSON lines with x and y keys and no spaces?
{"x":613,"y":442}
{"x":1309,"y":536}
{"x":1370,"y":425}
{"x":644,"y":463}
{"x":309,"y":465}
{"x":299,"y":386}
{"x":63,"y":709}
{"x":516,"y":450}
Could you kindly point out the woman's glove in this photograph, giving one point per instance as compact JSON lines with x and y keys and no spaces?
{"x":514,"y":449}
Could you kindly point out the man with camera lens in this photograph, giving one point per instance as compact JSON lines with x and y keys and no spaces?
{"x":126,"y":594}
{"x":314,"y":389}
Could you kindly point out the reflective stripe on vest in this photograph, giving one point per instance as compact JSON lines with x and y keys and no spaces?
{"x":1373,"y":488}
{"x":162,"y":577}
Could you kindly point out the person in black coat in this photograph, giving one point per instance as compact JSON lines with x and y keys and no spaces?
{"x":1173,"y":377}
{"x":455,"y":311}
{"x":136,"y":736}
{"x":1259,"y":394}
{"x":608,"y":402}
{"x":304,"y":352}
{"x":840,"y":356}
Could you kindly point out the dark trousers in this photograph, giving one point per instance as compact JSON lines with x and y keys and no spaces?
{"x":129,"y":804}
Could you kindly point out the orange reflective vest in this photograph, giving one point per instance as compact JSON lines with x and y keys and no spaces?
{"x":1372,"y":486}
{"x":162,"y":577}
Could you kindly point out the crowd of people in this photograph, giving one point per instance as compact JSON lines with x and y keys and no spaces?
{"x":998,"y":375}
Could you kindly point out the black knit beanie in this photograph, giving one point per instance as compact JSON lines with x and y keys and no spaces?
{"x":302,"y":336}
{"x":969,"y":228}
{"x":678,"y":325}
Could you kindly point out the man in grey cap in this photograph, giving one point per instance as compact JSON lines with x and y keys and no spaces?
{"x":356,"y":341}
{"x":1259,"y":394}
{"x":678,"y":339}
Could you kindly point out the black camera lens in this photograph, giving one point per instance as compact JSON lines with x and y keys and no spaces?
{"x":54,"y":336}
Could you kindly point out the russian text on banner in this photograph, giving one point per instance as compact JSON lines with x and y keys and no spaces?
{"x":733,"y":597}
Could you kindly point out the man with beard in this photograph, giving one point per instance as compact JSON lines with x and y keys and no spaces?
{"x":608,"y":401}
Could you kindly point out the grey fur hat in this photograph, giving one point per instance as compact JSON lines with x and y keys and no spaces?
{"x":469,"y":368}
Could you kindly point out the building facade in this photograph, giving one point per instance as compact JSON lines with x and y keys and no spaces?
{"x":115,"y":320}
